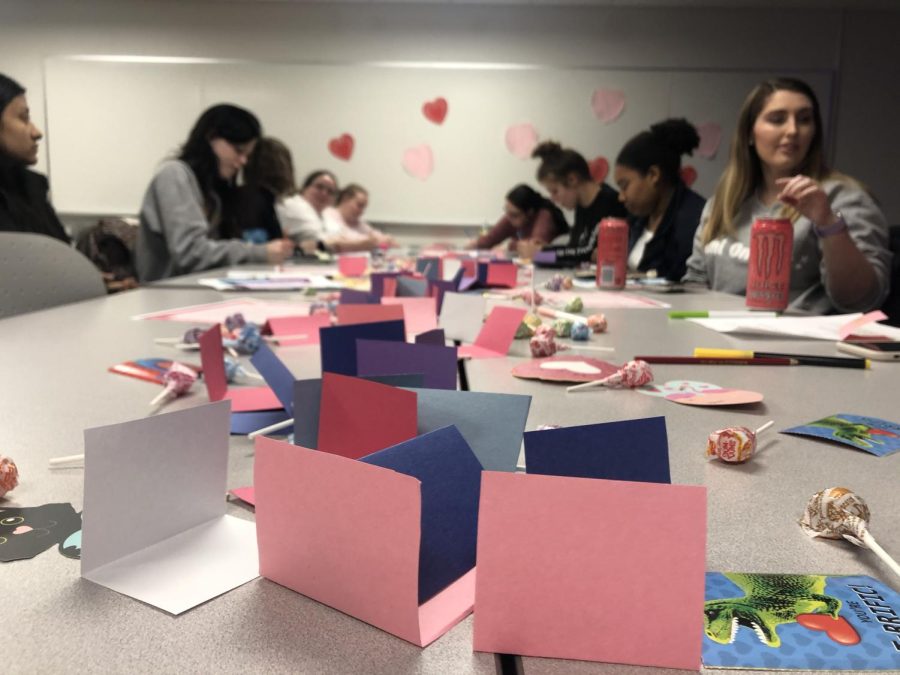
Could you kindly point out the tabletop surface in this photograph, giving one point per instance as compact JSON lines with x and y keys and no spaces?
{"x":56,"y":385}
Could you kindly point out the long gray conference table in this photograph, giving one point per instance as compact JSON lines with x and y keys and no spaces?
{"x":54,"y":364}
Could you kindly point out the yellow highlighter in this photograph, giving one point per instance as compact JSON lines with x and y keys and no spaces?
{"x":802,"y":359}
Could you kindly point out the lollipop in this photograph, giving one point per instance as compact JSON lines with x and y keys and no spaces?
{"x":235,"y":322}
{"x":837,"y":512}
{"x":633,"y":374}
{"x":581,"y":331}
{"x":247,"y":342}
{"x":558,"y":282}
{"x":563,"y":327}
{"x":523,"y":331}
{"x":574,"y":305}
{"x":9,"y":475}
{"x":597,"y":323}
{"x":544,"y":342}
{"x":733,"y":444}
{"x":178,"y":379}
{"x":323,"y":307}
{"x":189,"y":340}
{"x":233,"y":369}
{"x":531,"y":297}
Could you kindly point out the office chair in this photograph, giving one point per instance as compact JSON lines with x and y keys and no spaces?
{"x":37,"y":272}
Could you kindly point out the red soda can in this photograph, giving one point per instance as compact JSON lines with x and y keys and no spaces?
{"x":769,"y":266}
{"x":612,"y":252}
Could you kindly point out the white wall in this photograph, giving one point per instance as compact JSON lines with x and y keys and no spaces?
{"x":861,"y":45}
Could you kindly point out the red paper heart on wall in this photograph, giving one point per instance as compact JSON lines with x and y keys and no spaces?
{"x":599,"y":168}
{"x":436,"y":110}
{"x":341,"y":147}
{"x":688,"y":175}
{"x":839,"y":630}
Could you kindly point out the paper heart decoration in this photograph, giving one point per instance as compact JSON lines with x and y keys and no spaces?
{"x":580,"y":367}
{"x":599,"y":168}
{"x":710,"y":137}
{"x":436,"y":110}
{"x":688,"y":175}
{"x":838,"y":630}
{"x":418,"y":162}
{"x":341,"y":147}
{"x":521,"y":139}
{"x":608,"y":104}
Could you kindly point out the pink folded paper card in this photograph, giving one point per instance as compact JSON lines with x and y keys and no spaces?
{"x":243,"y":399}
{"x":307,"y":326}
{"x":245,"y":494}
{"x":354,"y":265}
{"x":502,"y":274}
{"x":597,"y":570}
{"x":420,"y":314}
{"x":349,"y":314}
{"x":347,"y":534}
{"x":358,"y":417}
{"x":496,"y":335}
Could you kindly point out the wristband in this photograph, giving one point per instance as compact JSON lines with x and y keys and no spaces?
{"x":840,"y":225}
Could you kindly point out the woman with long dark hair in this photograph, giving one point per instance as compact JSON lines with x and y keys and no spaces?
{"x":527,"y":217}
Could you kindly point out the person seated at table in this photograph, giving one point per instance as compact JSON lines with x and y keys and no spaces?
{"x":527,"y":216}
{"x":664,"y":212}
{"x":188,"y":216}
{"x":346,"y":227}
{"x":300,"y":214}
{"x":24,"y":205}
{"x":566,"y":176}
{"x":776,"y":169}
{"x":266,"y":181}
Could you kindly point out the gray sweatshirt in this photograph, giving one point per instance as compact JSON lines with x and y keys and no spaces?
{"x":722,"y":263}
{"x":175,"y":236}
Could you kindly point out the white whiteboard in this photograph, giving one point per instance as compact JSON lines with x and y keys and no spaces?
{"x":111,"y":121}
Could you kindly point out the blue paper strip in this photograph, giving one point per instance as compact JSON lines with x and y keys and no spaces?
{"x":276,"y":375}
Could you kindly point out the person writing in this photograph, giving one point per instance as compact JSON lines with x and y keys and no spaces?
{"x":346,"y":227}
{"x":776,"y":168}
{"x":527,"y":216}
{"x":188,"y":216}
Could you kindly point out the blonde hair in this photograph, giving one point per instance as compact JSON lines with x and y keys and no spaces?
{"x":743,"y":174}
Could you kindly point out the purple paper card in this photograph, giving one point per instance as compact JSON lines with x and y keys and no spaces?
{"x":432,"y":337}
{"x":338,"y":343}
{"x":351,"y":297}
{"x":377,"y":282}
{"x":436,"y":362}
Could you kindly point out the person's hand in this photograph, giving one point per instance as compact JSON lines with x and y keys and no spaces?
{"x":278,"y":250}
{"x":526,"y":248}
{"x":808,"y":198}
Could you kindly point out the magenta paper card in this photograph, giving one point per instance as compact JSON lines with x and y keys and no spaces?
{"x":212,"y":359}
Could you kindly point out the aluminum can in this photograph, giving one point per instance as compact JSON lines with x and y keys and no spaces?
{"x":769,"y":266}
{"x":612,"y":252}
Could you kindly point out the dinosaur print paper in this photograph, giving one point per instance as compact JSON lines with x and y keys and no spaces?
{"x":875,"y":436}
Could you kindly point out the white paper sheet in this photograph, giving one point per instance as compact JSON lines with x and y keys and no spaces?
{"x":462,"y":316}
{"x":814,"y":327}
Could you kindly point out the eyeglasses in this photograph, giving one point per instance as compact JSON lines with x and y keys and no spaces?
{"x":324,"y":187}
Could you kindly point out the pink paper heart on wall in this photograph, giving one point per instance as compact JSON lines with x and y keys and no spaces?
{"x":521,"y":139}
{"x":608,"y":104}
{"x":688,"y":175}
{"x":341,"y":147}
{"x":436,"y":110}
{"x":599,"y":168}
{"x":418,"y":162}
{"x":710,"y":138}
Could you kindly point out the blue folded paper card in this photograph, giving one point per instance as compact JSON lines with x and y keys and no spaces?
{"x":633,"y":450}
{"x":276,"y":375}
{"x":429,"y":267}
{"x":338,"y":343}
{"x":492,"y":424}
{"x":242,"y":423}
{"x":409,"y":287}
{"x":436,"y":362}
{"x":451,"y":483}
{"x":350,"y":297}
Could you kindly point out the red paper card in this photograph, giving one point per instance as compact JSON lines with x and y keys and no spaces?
{"x":358,"y":417}
{"x":243,"y":399}
{"x":348,"y":314}
{"x":496,"y":335}
{"x":502,"y":274}
{"x":353,"y":265}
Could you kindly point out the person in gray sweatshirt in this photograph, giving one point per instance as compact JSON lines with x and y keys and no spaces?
{"x":187,"y":220}
{"x":776,"y":169}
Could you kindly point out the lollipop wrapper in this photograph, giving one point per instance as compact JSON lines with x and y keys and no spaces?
{"x":836,"y":513}
{"x":732,"y":444}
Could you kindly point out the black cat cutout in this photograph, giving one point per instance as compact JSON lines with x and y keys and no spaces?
{"x":27,"y":531}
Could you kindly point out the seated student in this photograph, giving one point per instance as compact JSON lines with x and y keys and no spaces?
{"x":347,"y":231}
{"x":268,"y":179}
{"x":188,"y":217}
{"x":777,"y":168}
{"x":300,"y":214}
{"x":664,"y":211}
{"x":566,"y":176}
{"x":527,"y":217}
{"x":24,"y":206}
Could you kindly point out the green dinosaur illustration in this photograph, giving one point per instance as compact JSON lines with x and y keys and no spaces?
{"x":769,"y":601}
{"x":859,"y":435}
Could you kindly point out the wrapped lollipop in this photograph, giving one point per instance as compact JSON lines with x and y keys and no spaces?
{"x":323,"y":307}
{"x":177,"y":380}
{"x":533,"y":298}
{"x":235,"y":322}
{"x":580,"y":331}
{"x":574,"y":305}
{"x":838,"y":512}
{"x":544,"y":342}
{"x":563,"y":327}
{"x":233,"y":370}
{"x":190,"y":339}
{"x":597,"y":323}
{"x":633,"y":374}
{"x":247,"y":341}
{"x":9,"y":475}
{"x":558,"y":282}
{"x":734,"y":444}
{"x":523,"y":331}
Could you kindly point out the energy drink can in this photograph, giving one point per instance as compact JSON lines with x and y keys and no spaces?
{"x":612,"y":253}
{"x":769,"y":266}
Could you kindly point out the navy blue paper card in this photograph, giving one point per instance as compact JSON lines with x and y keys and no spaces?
{"x":430,"y":268}
{"x":451,"y":483}
{"x":432,"y":337}
{"x":436,"y":362}
{"x":242,"y":423}
{"x":338,"y":343}
{"x":351,"y":297}
{"x":492,"y":424}
{"x":410,"y":287}
{"x":276,"y":375}
{"x":633,"y":450}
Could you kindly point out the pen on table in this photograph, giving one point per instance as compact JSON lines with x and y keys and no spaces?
{"x":711,"y":361}
{"x":802,"y":359}
{"x":721,"y":314}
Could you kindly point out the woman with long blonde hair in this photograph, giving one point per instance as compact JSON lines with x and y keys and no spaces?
{"x":777,"y":169}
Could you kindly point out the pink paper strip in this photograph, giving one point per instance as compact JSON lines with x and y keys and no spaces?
{"x":851,"y":326}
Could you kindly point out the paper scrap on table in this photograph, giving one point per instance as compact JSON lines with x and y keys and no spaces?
{"x":420,"y":314}
{"x":568,"y":368}
{"x":338,"y":343}
{"x":245,"y":494}
{"x":496,"y":335}
{"x":825,"y":622}
{"x":689,"y":392}
{"x":599,"y":300}
{"x":348,"y":534}
{"x":875,"y":436}
{"x":575,"y":568}
{"x":462,"y":316}
{"x":243,"y":399}
{"x":155,"y":526}
{"x":255,"y":311}
{"x":814,"y":327}
{"x":150,"y":369}
{"x":630,"y":450}
{"x":307,"y":326}
{"x":437,"y":363}
{"x":27,"y":531}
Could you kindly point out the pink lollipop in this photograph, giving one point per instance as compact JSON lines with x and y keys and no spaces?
{"x":9,"y":475}
{"x":734,"y":444}
{"x":178,"y":379}
{"x":544,"y":342}
{"x":597,"y":323}
{"x":633,"y":374}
